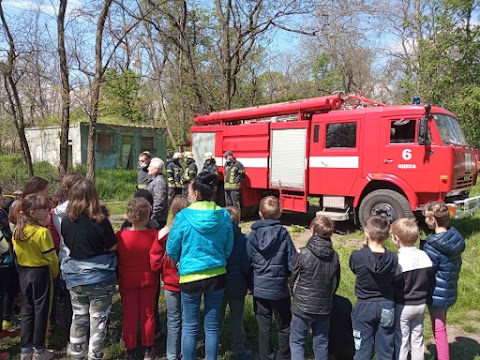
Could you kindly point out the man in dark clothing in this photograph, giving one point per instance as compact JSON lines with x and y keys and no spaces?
{"x":234,"y":175}
{"x":190,"y":173}
{"x":270,"y":251}
{"x":143,"y":179}
{"x":210,"y":166}
{"x":174,"y":176}
{"x":158,"y":188}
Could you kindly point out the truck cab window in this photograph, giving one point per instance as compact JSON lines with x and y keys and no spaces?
{"x":402,"y":131}
{"x":341,"y":135}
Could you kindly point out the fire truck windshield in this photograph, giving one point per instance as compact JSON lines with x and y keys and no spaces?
{"x":449,"y":130}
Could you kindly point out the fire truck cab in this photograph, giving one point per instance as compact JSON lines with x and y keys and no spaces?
{"x":360,"y":159}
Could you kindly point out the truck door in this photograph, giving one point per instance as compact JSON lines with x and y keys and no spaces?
{"x":334,"y":158}
{"x":403,"y":157}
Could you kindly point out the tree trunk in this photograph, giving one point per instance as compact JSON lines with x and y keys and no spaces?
{"x":13,"y":97}
{"x":95,"y":94}
{"x":65,"y":88}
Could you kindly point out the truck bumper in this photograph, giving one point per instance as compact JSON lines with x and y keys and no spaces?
{"x":464,"y":207}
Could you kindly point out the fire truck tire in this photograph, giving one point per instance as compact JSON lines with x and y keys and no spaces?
{"x":386,"y":203}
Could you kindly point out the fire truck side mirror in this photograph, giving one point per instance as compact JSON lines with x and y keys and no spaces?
{"x":423,"y":136}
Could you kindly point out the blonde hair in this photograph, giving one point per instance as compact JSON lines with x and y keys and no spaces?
{"x":439,"y":211}
{"x":377,"y":229}
{"x":322,"y":226}
{"x":234,"y":214}
{"x":406,"y":230}
{"x":270,"y":207}
{"x":138,"y":210}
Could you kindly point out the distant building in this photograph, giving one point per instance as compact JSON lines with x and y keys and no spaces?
{"x":117,"y":146}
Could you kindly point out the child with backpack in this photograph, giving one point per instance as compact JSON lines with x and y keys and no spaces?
{"x":37,"y":266}
{"x":315,"y":279}
{"x":445,"y":249}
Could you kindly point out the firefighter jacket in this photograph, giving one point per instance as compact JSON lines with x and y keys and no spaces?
{"x":210,"y":166}
{"x":234,"y":174}
{"x":190,"y":172}
{"x":174,"y":175}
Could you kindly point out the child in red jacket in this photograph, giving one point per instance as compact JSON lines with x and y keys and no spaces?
{"x":160,"y":261}
{"x":137,"y":281}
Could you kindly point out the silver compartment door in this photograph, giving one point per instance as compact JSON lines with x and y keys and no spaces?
{"x":287,"y":160}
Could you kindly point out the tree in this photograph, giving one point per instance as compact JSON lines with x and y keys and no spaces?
{"x":95,"y":91}
{"x":65,"y":90}
{"x":7,"y":69}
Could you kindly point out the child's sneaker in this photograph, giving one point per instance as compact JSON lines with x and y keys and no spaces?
{"x":148,"y":354}
{"x":44,"y":355}
{"x":4,"y":356}
{"x":26,"y":356}
{"x":6,"y":325}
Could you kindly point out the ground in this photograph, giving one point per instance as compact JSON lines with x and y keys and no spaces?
{"x":463,"y":318}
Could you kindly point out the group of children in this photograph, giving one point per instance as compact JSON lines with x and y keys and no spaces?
{"x":296,"y":287}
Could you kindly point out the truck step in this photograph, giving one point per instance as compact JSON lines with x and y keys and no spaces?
{"x":334,"y":215}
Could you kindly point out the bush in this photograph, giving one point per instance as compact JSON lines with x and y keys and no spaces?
{"x":13,"y":173}
{"x":111,"y":184}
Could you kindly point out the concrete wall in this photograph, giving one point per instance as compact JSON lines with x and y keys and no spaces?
{"x":125,"y":144}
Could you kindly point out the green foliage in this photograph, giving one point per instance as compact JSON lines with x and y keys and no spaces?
{"x":121,"y":96}
{"x":325,"y":75}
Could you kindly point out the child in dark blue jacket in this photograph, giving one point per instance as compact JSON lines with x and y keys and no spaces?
{"x":238,"y":272}
{"x":444,"y":249}
{"x":271,"y":251}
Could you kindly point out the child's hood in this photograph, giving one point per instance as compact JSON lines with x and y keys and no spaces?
{"x":30,"y":230}
{"x":205,"y":217}
{"x":381,"y":264}
{"x":449,"y":243}
{"x":320,"y":246}
{"x":265,"y":234}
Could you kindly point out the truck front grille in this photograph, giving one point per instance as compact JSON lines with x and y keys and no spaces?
{"x":463,"y":182}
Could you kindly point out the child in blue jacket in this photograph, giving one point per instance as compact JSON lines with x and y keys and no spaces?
{"x":271,"y":251}
{"x":238,"y":272}
{"x":444,"y":249}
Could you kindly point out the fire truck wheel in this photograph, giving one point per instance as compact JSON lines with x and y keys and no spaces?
{"x":386,"y":203}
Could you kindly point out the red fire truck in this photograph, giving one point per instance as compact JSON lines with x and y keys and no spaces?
{"x":358,"y":156}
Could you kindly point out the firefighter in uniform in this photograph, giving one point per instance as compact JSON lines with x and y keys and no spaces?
{"x":234,"y":175}
{"x":210,"y":166}
{"x":191,"y":171}
{"x":174,"y":175}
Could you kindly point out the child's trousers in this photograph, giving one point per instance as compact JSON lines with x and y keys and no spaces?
{"x":299,"y":330}
{"x":138,"y":305}
{"x":91,"y":306}
{"x":35,"y":285}
{"x":373,"y":322}
{"x":409,"y":321}
{"x":236,"y":307}
{"x":438,"y":316}
{"x":264,"y":310}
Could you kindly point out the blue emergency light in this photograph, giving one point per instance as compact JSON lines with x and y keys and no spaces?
{"x":416,"y":100}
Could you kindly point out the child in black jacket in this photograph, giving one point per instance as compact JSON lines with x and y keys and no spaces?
{"x":315,"y":278}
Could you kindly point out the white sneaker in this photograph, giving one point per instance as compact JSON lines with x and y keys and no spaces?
{"x":26,"y":356}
